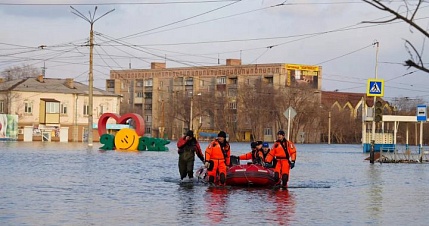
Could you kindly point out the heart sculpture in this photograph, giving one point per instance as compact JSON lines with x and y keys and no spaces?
{"x":138,"y":119}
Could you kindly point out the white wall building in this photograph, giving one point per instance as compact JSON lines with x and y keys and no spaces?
{"x":49,"y":104}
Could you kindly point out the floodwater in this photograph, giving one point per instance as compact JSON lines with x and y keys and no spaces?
{"x":70,"y":184}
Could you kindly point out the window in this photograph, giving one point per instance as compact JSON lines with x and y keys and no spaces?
{"x":139,"y":83}
{"x":232,"y":92}
{"x":189,"y":81}
{"x":268,"y":131}
{"x":148,"y":130}
{"x":148,"y":106}
{"x":1,"y":106}
{"x":63,"y":108}
{"x":232,"y":118}
{"x":110,"y":84}
{"x":85,"y":109}
{"x":201,"y":82}
{"x":148,"y":82}
{"x":221,"y":80}
{"x":28,"y":107}
{"x":233,"y":105}
{"x":148,"y":119}
{"x":52,"y":107}
{"x":148,"y":95}
{"x":139,"y":94}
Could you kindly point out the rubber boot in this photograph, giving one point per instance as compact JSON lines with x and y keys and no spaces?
{"x":222,"y":179}
{"x":211,"y":179}
{"x":285,"y":179}
{"x":190,"y":174}
{"x":276,"y":178}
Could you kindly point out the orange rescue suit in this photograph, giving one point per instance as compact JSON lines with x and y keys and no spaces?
{"x":255,"y":155}
{"x":219,"y":157}
{"x":283,"y":151}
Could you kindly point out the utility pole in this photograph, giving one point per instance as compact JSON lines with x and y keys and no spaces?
{"x":91,"y":20}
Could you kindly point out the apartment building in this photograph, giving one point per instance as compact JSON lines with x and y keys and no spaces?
{"x":209,"y":98}
{"x":51,"y":105}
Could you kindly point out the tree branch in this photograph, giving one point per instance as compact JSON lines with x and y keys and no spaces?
{"x":398,"y":16}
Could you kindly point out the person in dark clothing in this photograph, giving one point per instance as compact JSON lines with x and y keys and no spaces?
{"x":188,"y":146}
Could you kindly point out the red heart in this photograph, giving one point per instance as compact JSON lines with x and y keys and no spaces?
{"x":138,"y":119}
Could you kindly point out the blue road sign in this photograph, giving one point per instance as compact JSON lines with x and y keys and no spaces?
{"x":421,"y":113}
{"x":375,"y":87}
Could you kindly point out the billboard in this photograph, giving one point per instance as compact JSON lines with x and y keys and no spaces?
{"x":8,"y":127}
{"x":302,"y":75}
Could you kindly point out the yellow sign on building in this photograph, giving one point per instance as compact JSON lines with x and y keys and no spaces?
{"x":302,"y":67}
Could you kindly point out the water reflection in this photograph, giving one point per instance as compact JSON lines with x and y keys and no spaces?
{"x":187,"y":209}
{"x":375,"y":194}
{"x":284,"y":206}
{"x":216,"y":201}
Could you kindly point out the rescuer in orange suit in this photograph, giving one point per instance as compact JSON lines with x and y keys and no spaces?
{"x":285,"y":153}
{"x":217,"y":157}
{"x":255,"y":155}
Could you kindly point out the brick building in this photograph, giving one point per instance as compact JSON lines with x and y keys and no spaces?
{"x":172,"y":100}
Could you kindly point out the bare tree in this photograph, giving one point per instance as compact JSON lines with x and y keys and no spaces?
{"x":18,"y":72}
{"x":308,"y":112}
{"x":220,"y":111}
{"x":177,"y":112}
{"x":8,"y":97}
{"x":256,"y":103}
{"x":406,"y":105}
{"x":408,"y":16}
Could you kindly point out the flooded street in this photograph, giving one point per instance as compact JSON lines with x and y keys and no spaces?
{"x":69,"y":184}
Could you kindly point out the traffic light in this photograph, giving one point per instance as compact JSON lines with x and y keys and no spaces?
{"x":378,"y":117}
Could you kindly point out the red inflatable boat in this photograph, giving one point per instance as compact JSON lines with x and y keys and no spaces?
{"x":250,"y":175}
{"x":243,"y":175}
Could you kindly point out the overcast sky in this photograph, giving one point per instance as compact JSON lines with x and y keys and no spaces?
{"x":328,"y":33}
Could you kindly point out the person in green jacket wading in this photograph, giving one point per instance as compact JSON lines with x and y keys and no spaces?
{"x":188,"y":146}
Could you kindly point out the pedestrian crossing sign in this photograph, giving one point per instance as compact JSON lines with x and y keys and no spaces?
{"x":375,"y":88}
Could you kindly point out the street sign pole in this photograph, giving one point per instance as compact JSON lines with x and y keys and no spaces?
{"x":376,"y":88}
{"x":421,"y":117}
{"x":290,"y":113}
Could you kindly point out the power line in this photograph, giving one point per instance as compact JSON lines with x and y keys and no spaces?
{"x":349,"y":53}
{"x":118,"y":3}
{"x":182,"y":20}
